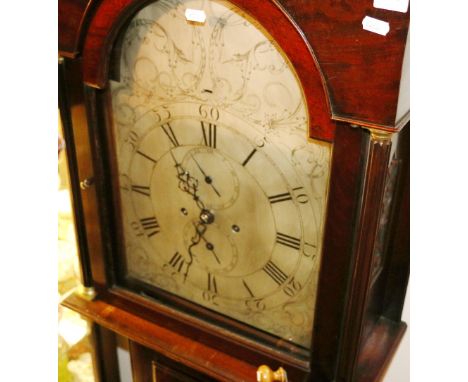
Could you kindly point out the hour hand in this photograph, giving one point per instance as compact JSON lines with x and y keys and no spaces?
{"x":180,"y":170}
{"x":187,"y":183}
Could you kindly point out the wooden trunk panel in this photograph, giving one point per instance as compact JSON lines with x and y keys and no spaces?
{"x":149,"y":366}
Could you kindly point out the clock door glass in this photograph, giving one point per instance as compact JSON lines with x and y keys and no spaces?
{"x":222,"y":194}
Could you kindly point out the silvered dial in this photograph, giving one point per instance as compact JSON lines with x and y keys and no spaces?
{"x":222,"y":193}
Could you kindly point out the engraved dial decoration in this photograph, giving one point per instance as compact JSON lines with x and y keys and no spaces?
{"x":222,"y":193}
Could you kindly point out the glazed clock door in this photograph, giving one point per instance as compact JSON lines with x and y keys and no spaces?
{"x":221,"y":192}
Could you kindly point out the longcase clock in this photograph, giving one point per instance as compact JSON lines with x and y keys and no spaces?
{"x":240,"y":181}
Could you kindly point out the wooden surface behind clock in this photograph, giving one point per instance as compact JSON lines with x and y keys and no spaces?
{"x":348,"y":80}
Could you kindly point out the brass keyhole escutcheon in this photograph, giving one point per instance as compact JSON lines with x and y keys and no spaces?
{"x":265,"y":374}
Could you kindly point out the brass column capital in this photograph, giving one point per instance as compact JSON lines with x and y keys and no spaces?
{"x":379,"y":136}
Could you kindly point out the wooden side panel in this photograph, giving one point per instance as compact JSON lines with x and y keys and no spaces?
{"x":65,"y":99}
{"x":378,"y":350}
{"x":84,"y":201}
{"x":104,"y":354}
{"x":398,"y":263}
{"x":392,"y":215}
{"x":343,"y":199}
{"x":346,"y":323}
{"x":362,"y":69}
{"x":379,"y":149}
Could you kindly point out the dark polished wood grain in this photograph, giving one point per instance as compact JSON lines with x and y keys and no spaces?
{"x":96,"y":117}
{"x":149,"y":366}
{"x":375,"y":170}
{"x":378,"y":350}
{"x":65,"y":102}
{"x":345,"y":185}
{"x":362,"y":69}
{"x":72,"y":23}
{"x":383,"y":256}
{"x":105,"y":363}
{"x":141,"y":363}
{"x":227,"y":335}
{"x":189,"y":351}
{"x":90,"y":228}
{"x":398,"y":262}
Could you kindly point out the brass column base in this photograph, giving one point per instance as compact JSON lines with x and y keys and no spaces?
{"x":88,"y":293}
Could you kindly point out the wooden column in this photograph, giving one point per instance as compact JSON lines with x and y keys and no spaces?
{"x":375,"y":172}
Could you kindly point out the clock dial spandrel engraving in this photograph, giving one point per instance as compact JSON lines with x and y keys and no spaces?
{"x":222,"y":193}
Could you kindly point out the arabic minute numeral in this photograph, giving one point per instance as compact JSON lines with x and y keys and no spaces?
{"x":300,"y":195}
{"x":309,"y":250}
{"x":132,"y":139}
{"x":255,"y":305}
{"x":292,"y":288}
{"x":208,"y":112}
{"x":137,"y":228}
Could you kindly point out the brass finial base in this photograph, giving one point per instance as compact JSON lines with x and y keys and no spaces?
{"x":265,"y":374}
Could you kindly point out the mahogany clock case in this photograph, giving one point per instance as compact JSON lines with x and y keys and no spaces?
{"x":365,"y":255}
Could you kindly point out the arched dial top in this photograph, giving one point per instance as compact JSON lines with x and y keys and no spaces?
{"x":222,"y":194}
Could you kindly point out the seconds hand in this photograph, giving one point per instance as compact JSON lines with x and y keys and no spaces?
{"x":207,"y":178}
{"x":209,"y":246}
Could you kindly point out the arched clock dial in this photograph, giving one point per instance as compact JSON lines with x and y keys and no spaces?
{"x":222,"y":193}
